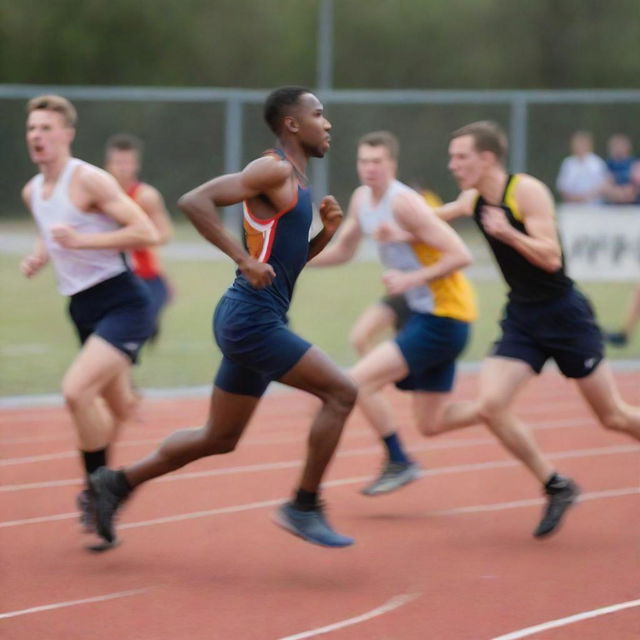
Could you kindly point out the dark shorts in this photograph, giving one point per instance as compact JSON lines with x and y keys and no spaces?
{"x":159,"y":292}
{"x":119,"y":310}
{"x":256,"y":344}
{"x":563,"y":329}
{"x":430,"y":345}
{"x":398,"y":304}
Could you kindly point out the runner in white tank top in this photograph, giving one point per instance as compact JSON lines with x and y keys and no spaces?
{"x":423,"y":257}
{"x":393,"y":255}
{"x":86,"y":222}
{"x":76,"y":269}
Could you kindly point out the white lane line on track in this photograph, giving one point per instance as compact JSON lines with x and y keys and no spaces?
{"x":288,"y":464}
{"x":526,"y":410}
{"x":394,"y":603}
{"x":532,"y":502}
{"x":292,"y":464}
{"x":624,"y":371}
{"x":499,"y":506}
{"x":547,"y":425}
{"x":72,"y":603}
{"x":561,"y":622}
{"x":70,"y":454}
{"x":354,"y":433}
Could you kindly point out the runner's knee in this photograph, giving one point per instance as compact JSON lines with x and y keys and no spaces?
{"x":342,"y":396}
{"x":614,"y":421}
{"x":428,"y":426}
{"x":491,"y":407}
{"x":220,"y":446}
{"x":74,"y":395}
{"x":211,"y":444}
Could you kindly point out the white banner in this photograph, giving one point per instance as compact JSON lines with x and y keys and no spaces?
{"x":601,"y":242}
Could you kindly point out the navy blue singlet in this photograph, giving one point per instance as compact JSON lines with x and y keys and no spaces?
{"x":283,"y":242}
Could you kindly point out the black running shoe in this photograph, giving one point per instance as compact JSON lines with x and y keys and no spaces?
{"x":559,"y":498}
{"x":84,"y":501}
{"x":104,"y":485}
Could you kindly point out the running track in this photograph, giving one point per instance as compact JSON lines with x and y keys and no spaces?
{"x":450,"y":557}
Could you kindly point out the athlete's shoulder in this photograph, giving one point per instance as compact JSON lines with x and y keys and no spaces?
{"x":95,"y":182}
{"x":87,"y":173}
{"x":528,"y":185}
{"x":147,"y":194}
{"x":360,"y":194}
{"x":532,"y":195}
{"x":269,"y":167}
{"x":404,"y":196}
{"x":527,"y":181}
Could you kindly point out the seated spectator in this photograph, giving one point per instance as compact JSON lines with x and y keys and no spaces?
{"x":619,"y":189}
{"x":583,"y":175}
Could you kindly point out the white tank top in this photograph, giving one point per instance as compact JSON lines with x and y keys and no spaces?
{"x":76,"y":269}
{"x":394,"y":255}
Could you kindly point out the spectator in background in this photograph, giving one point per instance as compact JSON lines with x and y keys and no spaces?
{"x":620,"y":189}
{"x":123,"y":160}
{"x":631,"y":320}
{"x":583,"y":174}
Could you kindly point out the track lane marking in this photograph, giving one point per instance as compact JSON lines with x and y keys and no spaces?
{"x":394,"y":603}
{"x":498,"y":506}
{"x":71,"y":603}
{"x":561,"y":622}
{"x":293,"y":464}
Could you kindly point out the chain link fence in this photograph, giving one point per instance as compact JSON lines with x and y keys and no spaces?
{"x":191,"y":135}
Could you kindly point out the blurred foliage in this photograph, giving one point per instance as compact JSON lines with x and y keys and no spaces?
{"x":378,"y":43}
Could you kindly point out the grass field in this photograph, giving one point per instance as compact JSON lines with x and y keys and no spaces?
{"x":37,"y":341}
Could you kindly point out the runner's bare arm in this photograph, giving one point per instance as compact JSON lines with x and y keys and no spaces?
{"x":262,"y":176}
{"x":39,"y":256}
{"x":152,"y":203}
{"x":413,"y":215}
{"x":347,"y":240}
{"x":540,"y":245}
{"x":331,"y":216}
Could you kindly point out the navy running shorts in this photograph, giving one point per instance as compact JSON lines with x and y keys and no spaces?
{"x":564,"y":330}
{"x":430,"y":345}
{"x":256,"y":344}
{"x":159,"y":292}
{"x":119,"y":310}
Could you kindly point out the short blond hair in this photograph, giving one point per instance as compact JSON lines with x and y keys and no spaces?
{"x":58,"y":104}
{"x":384,"y":139}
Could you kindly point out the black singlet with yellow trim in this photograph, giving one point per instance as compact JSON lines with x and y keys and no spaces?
{"x":526,"y":281}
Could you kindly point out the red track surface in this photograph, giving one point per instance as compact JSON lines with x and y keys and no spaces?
{"x":429,"y":562}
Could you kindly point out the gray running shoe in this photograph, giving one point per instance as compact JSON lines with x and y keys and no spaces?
{"x":393,"y":476}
